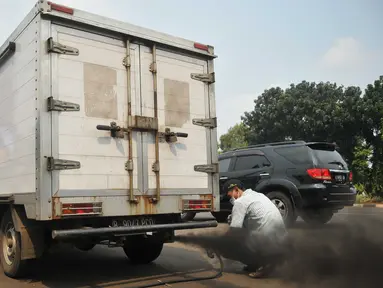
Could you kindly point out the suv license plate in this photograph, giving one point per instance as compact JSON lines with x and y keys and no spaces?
{"x":340,"y":178}
{"x":133,"y":222}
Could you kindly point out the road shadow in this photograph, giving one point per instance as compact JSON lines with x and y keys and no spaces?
{"x":103,"y":267}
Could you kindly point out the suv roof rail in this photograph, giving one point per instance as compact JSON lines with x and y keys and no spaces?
{"x":271,"y":144}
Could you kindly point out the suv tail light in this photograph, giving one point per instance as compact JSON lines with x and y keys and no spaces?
{"x":319,"y":173}
{"x":350,"y":176}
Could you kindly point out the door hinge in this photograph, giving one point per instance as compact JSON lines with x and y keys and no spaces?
{"x":57,"y":105}
{"x":55,"y":47}
{"x":205,"y":122}
{"x":61,"y":164}
{"x":8,"y":52}
{"x":208,"y":168}
{"x":207,"y":78}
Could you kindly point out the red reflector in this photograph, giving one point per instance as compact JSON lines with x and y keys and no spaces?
{"x":320,"y":174}
{"x":61,"y":8}
{"x":197,"y":204}
{"x":81,"y":208}
{"x":201,"y":46}
{"x":350,"y":176}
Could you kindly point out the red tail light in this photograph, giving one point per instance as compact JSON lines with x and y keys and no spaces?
{"x":71,"y":209}
{"x":350,"y":176}
{"x":320,"y":174}
{"x":197,"y":204}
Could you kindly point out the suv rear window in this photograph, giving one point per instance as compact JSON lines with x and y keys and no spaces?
{"x":329,"y":158}
{"x":295,"y":154}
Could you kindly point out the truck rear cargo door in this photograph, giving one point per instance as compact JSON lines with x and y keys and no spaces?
{"x":180,"y":100}
{"x":127,"y":119}
{"x":90,"y":155}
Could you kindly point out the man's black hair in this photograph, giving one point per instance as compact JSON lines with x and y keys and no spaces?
{"x":231,"y":184}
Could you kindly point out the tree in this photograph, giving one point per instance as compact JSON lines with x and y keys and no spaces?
{"x":234,"y":138}
{"x":307,"y":111}
{"x":372,"y":131}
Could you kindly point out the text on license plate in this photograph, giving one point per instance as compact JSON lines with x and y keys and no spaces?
{"x":133,"y":222}
{"x":340,"y":178}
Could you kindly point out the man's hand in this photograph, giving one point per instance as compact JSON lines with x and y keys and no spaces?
{"x":229,"y":219}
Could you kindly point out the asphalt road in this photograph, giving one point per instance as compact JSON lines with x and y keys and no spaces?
{"x":105,"y":267}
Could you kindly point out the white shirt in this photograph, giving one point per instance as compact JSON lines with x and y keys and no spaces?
{"x":256,"y":212}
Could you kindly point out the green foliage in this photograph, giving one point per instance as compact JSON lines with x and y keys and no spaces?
{"x":234,"y":138}
{"x":321,"y":112}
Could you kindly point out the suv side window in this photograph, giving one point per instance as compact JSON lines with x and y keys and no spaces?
{"x":251,"y":162}
{"x":224,"y":165}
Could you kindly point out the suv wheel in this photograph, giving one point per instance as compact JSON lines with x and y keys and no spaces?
{"x":284,"y":205}
{"x":317,"y":216}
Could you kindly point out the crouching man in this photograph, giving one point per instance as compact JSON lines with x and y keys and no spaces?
{"x":258,"y":229}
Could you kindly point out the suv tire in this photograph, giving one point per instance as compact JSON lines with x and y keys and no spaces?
{"x":317,"y":216}
{"x":284,"y":205}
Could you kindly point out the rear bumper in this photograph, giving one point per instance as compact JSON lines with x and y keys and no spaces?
{"x":318,"y":195}
{"x":125,"y":231}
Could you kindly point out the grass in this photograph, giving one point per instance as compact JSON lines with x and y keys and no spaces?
{"x":365,"y":198}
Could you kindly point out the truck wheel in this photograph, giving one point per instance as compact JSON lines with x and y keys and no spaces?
{"x":221,"y":217}
{"x":10,"y":243}
{"x":317,"y":216}
{"x":284,"y":205}
{"x":143,"y":249}
{"x":187,"y":216}
{"x":84,"y":245}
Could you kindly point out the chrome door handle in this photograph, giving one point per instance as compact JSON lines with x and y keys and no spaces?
{"x":264,"y":174}
{"x":223,"y":178}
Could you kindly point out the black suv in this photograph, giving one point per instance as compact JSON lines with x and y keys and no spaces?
{"x":310,"y":180}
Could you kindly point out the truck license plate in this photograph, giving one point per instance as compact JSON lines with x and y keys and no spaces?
{"x":133,"y":222}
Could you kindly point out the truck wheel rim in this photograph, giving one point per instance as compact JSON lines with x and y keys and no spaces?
{"x":281,"y":207}
{"x":9,"y":244}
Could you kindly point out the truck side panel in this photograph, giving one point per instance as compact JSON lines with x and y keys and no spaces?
{"x":18,"y":100}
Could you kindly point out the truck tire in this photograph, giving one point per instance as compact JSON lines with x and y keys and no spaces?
{"x":143,"y":250}
{"x":187,"y":216}
{"x":284,"y":205}
{"x":10,"y":244}
{"x":84,"y":245}
{"x":221,"y":217}
{"x":317,"y":216}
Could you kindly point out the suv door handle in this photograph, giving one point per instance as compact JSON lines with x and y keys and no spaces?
{"x":264,"y":174}
{"x":223,"y":178}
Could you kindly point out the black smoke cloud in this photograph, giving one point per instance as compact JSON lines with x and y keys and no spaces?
{"x":343,"y":255}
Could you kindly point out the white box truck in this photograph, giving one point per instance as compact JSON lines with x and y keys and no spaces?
{"x":107,"y":134}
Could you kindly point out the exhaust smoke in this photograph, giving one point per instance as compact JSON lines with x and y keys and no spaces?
{"x":342,"y":255}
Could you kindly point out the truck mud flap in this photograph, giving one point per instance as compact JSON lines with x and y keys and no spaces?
{"x":125,"y":231}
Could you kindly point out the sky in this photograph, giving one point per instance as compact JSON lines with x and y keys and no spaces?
{"x":260,"y":44}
